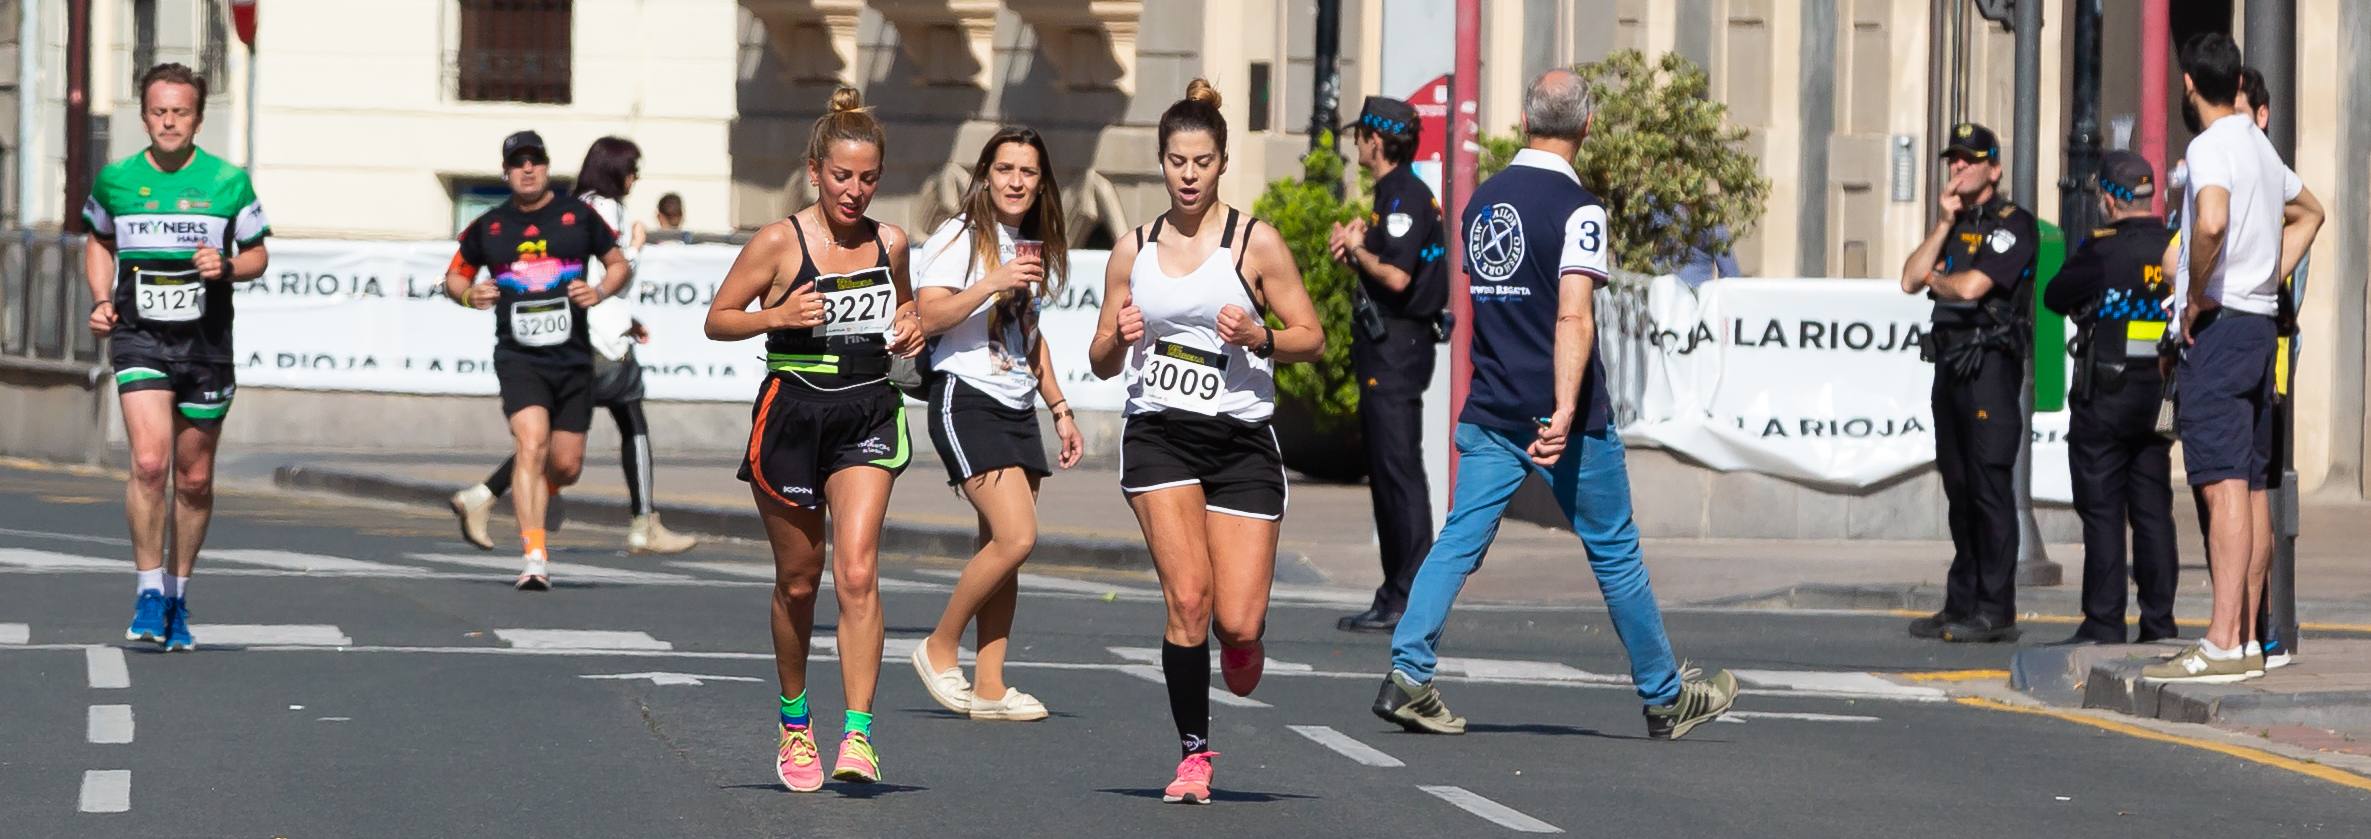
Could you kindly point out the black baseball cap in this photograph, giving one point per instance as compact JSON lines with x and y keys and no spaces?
{"x":2126,"y":176}
{"x":1385,"y":115}
{"x":524,"y":141}
{"x":1974,"y":142}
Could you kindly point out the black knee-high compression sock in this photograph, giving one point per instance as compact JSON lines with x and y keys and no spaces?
{"x":499,"y":482}
{"x":1186,"y":670}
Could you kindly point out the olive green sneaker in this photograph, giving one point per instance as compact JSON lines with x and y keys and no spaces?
{"x":1415,"y":706}
{"x":2193,"y":665}
{"x":1701,"y":700}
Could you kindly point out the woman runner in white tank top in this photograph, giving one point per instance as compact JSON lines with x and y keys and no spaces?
{"x":1185,"y":315}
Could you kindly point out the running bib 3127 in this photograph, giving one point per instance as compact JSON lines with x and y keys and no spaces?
{"x":541,"y":323}
{"x":1184,"y":377}
{"x":857,"y":304}
{"x":169,"y":296}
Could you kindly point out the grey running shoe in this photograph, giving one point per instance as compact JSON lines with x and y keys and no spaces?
{"x":1415,"y":706}
{"x":1701,"y":700}
{"x":2193,"y":665}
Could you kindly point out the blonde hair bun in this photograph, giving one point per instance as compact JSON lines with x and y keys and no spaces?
{"x":849,"y":99}
{"x":1199,"y":90}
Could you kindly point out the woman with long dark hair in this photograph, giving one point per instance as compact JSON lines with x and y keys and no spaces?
{"x":611,"y":166}
{"x":981,"y":280}
{"x":1186,"y":305}
{"x":829,"y":430}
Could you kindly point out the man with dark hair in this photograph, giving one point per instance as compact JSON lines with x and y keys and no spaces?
{"x":2114,"y":287}
{"x":173,"y":228}
{"x":2246,"y":221}
{"x":1402,"y":285}
{"x":1977,"y":264}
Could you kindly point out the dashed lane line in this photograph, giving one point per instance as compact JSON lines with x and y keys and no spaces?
{"x":270,"y":634}
{"x":107,"y":668}
{"x":1499,"y":814}
{"x":15,"y":633}
{"x":109,"y":724}
{"x":1346,"y":746}
{"x":603,"y":640}
{"x":1152,"y":655}
{"x":107,"y":791}
{"x":562,"y":569}
{"x":1742,"y":716}
{"x":310,"y":563}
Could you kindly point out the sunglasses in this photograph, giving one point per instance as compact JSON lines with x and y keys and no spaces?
{"x":524,"y":159}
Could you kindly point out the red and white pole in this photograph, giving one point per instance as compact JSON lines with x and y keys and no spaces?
{"x":1464,"y":148}
{"x":2156,"y":39}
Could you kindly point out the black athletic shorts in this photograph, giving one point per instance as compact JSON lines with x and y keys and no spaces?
{"x":1238,"y":464}
{"x":2223,"y":399}
{"x":799,"y":436}
{"x":202,"y":390}
{"x":564,"y":392}
{"x":975,"y":434}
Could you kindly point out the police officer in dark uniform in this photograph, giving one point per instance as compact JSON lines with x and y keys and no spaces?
{"x":1977,"y":264}
{"x":2114,"y":287}
{"x":1396,"y":311}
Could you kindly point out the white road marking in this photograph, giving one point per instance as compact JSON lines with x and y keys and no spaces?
{"x":107,"y":791}
{"x":36,"y":560}
{"x":1546,"y":671}
{"x":1344,"y":745}
{"x":1847,"y":685}
{"x":69,"y":537}
{"x":109,"y":724}
{"x":763,"y":571}
{"x":15,"y":633}
{"x":1052,"y":584}
{"x":508,"y":567}
{"x":1222,"y":697}
{"x":1152,"y":655}
{"x":1742,"y":716}
{"x":581,"y":639}
{"x":274,"y":634}
{"x":660,"y":678}
{"x":107,"y":667}
{"x":307,"y":563}
{"x":1499,"y":814}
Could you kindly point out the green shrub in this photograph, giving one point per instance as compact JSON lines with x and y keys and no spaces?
{"x":1304,"y":212}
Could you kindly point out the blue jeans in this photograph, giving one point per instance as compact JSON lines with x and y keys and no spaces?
{"x":1592,"y":484}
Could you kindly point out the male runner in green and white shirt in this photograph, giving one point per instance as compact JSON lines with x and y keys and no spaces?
{"x":171,"y":228}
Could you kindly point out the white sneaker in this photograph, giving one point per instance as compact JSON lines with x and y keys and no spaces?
{"x":947,"y":687}
{"x":475,"y":508}
{"x":1015,"y":706}
{"x":537,"y":576}
{"x":2278,"y":660}
{"x":648,"y":536}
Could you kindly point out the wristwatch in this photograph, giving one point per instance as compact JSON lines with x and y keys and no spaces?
{"x":1267,"y":347}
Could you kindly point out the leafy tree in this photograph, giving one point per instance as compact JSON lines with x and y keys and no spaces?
{"x":1304,"y":212}
{"x":1660,"y":156}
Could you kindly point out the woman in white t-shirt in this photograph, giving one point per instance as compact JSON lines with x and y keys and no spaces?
{"x":979,"y":283}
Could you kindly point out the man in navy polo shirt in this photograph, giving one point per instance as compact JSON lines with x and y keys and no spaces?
{"x":1537,"y":246}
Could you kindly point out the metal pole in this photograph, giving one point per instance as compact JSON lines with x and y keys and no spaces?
{"x":1465,"y":93}
{"x":2271,"y":49}
{"x":2082,"y":138}
{"x":252,"y":106}
{"x":1326,"y":116}
{"x":2034,"y":567}
{"x":78,"y":113}
{"x":2156,"y":40}
{"x":1938,"y":119}
{"x":29,"y":88}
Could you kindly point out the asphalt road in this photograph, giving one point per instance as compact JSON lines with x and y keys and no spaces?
{"x":359,"y":677}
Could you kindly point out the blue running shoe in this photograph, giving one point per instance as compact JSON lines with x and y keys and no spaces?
{"x":177,"y":637}
{"x":148,"y":618}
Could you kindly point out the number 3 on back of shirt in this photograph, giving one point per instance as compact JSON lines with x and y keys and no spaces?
{"x":857,"y":304}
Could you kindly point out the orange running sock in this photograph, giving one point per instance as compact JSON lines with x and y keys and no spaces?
{"x":533,"y":538}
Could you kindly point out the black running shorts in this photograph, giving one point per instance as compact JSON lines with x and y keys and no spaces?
{"x":565,"y":392}
{"x":1238,"y":464}
{"x":799,"y":437}
{"x":202,"y":390}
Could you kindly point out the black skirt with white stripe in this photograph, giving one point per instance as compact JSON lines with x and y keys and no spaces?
{"x":976,"y":434}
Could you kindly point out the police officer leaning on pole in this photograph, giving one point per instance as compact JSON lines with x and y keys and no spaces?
{"x":1977,"y":264}
{"x":1395,"y":310}
{"x":2114,"y":287}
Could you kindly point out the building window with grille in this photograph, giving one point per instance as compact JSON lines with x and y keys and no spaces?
{"x":1262,"y":94}
{"x":515,"y":51}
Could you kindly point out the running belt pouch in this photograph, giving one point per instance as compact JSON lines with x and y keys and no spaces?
{"x":2165,"y":420}
{"x":906,"y":375}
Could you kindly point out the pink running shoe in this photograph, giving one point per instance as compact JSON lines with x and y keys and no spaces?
{"x":1193,"y":780}
{"x":859,"y":764}
{"x":1241,"y":666}
{"x":798,"y":763}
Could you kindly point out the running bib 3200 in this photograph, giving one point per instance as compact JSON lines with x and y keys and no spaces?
{"x":857,"y":304}
{"x":1183,"y":377}
{"x":169,"y":296}
{"x":541,"y":323}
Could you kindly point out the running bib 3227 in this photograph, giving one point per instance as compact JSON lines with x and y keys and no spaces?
{"x":857,"y":304}
{"x":1184,"y":377}
{"x":169,"y":296}
{"x":541,"y":323}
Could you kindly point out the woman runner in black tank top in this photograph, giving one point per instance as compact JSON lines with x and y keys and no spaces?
{"x":828,"y":431}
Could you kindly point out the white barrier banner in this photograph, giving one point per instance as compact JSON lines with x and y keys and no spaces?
{"x":372,"y":316}
{"x":1812,"y":380}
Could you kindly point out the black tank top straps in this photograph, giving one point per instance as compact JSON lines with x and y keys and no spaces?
{"x":863,"y":300}
{"x":1226,"y":242}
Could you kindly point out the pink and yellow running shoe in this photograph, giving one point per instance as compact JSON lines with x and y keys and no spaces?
{"x":798,"y":763}
{"x":859,"y":764}
{"x":1193,"y":780}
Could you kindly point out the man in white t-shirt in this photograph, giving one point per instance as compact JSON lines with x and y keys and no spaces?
{"x":2246,"y":221}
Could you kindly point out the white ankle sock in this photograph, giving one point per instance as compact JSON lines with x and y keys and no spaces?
{"x":152,"y":580}
{"x":2217,"y":653}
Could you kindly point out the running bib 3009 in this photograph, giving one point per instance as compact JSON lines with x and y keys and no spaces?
{"x":857,"y":304}
{"x":169,"y":296}
{"x":1183,"y":377}
{"x":541,"y":323}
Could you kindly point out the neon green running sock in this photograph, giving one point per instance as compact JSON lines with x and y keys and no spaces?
{"x":794,"y":709}
{"x":857,"y":722}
